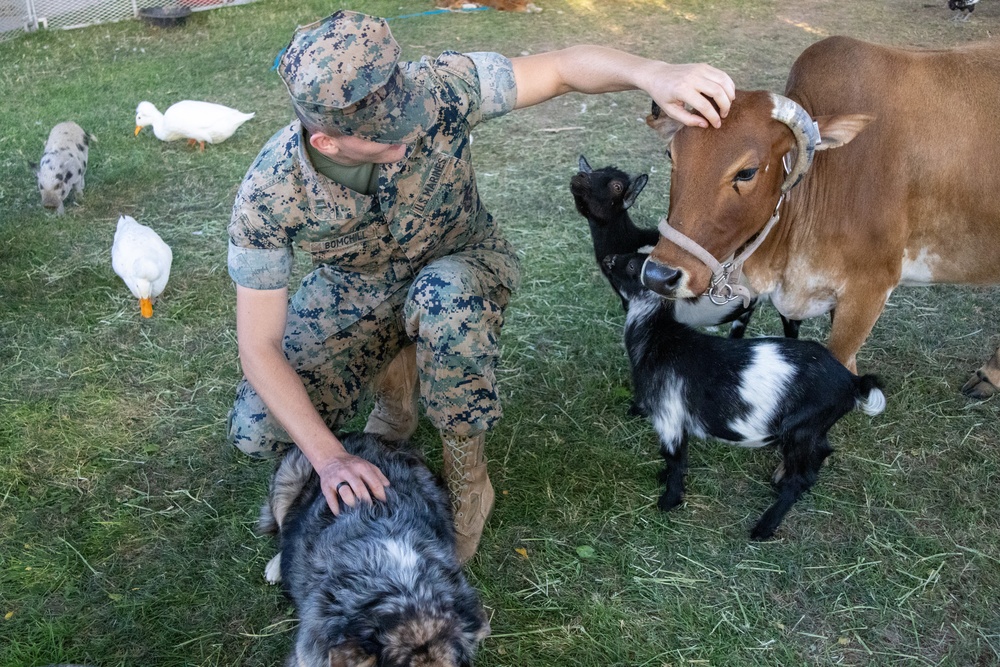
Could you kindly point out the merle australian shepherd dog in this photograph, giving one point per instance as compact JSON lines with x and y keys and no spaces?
{"x":379,"y":585}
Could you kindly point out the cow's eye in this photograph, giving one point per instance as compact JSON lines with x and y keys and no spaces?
{"x":746,"y":174}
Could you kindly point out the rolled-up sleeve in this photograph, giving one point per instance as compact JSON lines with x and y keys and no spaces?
{"x":260,"y":268}
{"x":497,"y":88}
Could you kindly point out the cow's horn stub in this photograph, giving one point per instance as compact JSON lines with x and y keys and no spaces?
{"x":806,"y":134}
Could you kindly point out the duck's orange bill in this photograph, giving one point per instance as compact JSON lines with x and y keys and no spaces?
{"x":138,"y":128}
{"x":146,"y":307}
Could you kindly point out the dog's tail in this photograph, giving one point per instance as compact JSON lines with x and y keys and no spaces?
{"x":266,"y":523}
{"x":291,"y":476}
{"x":870,"y":399}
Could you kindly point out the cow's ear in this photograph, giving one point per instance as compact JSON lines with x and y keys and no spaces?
{"x":836,"y":131}
{"x":663,"y":125}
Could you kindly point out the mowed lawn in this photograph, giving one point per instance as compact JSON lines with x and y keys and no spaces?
{"x":127,"y":523}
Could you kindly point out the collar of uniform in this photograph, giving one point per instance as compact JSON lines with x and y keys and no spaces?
{"x":361,"y":178}
{"x":327,"y":195}
{"x":387,"y":172}
{"x":344,"y":202}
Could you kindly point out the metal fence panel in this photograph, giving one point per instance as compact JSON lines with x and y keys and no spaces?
{"x":18,"y":16}
{"x":14,"y":17}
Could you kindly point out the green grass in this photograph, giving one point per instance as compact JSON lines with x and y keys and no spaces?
{"x":126,"y":522}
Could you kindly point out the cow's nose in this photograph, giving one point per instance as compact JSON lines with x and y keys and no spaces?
{"x":659,"y":278}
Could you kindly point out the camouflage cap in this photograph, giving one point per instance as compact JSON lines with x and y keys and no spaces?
{"x":342,"y":73}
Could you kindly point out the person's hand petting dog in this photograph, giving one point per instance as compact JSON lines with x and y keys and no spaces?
{"x":349,"y":479}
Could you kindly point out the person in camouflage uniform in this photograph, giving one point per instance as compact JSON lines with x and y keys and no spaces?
{"x":410,"y":276}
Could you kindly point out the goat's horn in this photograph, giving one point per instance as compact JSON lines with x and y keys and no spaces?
{"x":806,"y":134}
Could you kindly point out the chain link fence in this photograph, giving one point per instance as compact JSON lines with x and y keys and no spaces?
{"x":19,"y":16}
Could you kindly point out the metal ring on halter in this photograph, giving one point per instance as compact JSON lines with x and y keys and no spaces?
{"x":723,"y":276}
{"x":724,"y":296}
{"x":719,"y":289}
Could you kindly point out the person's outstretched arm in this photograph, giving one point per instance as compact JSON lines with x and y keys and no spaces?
{"x":598,"y":69}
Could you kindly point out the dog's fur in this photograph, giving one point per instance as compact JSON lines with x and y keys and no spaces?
{"x":380,"y":584}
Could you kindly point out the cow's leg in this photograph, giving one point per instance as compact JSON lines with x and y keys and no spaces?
{"x":854,"y":321}
{"x":986,"y":381}
{"x":739,"y":326}
{"x":790,"y":327}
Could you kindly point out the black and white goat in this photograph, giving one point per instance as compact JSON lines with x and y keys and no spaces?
{"x":750,"y":392}
{"x":603,"y":196}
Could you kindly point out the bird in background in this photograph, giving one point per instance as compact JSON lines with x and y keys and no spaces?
{"x":198,"y":122}
{"x":141,"y":258}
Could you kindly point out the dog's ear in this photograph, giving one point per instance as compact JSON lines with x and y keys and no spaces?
{"x":475,"y":623}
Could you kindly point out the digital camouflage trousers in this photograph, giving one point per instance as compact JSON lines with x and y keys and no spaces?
{"x":453,"y":313}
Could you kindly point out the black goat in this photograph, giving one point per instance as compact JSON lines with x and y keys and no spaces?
{"x":603,"y":196}
{"x":751,"y":392}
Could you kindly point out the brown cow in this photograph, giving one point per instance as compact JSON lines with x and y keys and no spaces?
{"x":902,"y":190}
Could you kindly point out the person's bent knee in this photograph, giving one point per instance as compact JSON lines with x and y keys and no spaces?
{"x":255,"y":442}
{"x":251,"y":429}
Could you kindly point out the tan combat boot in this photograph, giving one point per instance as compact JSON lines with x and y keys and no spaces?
{"x":395,"y":414}
{"x":471,"y":491}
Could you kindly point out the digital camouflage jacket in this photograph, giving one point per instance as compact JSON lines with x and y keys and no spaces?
{"x":365,"y":248}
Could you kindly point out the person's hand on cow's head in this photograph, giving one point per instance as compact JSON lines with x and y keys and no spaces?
{"x":695,"y":94}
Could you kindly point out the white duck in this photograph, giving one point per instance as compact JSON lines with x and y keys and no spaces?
{"x":142,"y":260}
{"x":198,"y":122}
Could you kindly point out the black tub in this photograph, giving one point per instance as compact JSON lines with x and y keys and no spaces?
{"x":165,"y":17}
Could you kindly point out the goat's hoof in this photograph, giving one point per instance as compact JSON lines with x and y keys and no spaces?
{"x":668,"y":501}
{"x":979,"y":386}
{"x":779,"y":473}
{"x":762,"y":533}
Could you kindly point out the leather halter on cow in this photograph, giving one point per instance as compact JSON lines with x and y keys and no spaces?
{"x":891,"y":205}
{"x":727,"y":284}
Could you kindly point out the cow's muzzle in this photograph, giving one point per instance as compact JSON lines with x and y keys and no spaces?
{"x":662,"y":279}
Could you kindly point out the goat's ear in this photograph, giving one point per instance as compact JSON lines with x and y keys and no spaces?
{"x":584,"y":165}
{"x":634,"y":188}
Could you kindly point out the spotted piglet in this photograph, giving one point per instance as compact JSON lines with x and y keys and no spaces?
{"x":63,"y":165}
